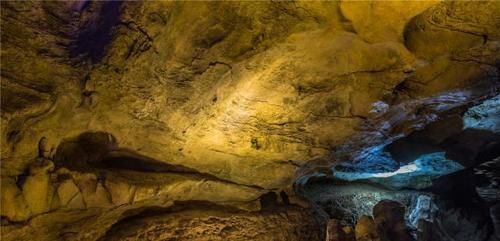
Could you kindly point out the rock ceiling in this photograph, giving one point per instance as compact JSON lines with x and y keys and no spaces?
{"x":147,"y":104}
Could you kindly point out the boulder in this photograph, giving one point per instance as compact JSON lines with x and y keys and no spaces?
{"x":335,"y":231}
{"x":348,"y":233}
{"x":332,"y":230}
{"x":389,"y":218}
{"x":422,"y":211}
{"x":366,"y":230}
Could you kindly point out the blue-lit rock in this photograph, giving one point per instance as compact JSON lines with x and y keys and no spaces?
{"x":423,"y":210}
{"x":367,"y":151}
{"x":347,"y":202}
{"x":485,"y":116}
{"x":373,"y":160}
{"x":416,"y":175}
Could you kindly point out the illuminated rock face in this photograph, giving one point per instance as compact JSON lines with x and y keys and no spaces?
{"x":484,"y":116}
{"x":150,"y":104}
{"x":418,"y":174}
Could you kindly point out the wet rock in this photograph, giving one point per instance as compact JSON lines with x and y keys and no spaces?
{"x":389,"y":218}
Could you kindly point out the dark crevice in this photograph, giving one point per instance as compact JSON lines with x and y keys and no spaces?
{"x":269,"y":201}
{"x":469,"y":147}
{"x":99,"y":151}
{"x":95,"y":34}
{"x":129,"y":160}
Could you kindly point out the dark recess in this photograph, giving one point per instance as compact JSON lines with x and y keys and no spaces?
{"x":96,"y":33}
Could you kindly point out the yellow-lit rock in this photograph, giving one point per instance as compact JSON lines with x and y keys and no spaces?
{"x":37,"y":189}
{"x":457,"y":43}
{"x":13,"y":203}
{"x":380,"y":21}
{"x":67,"y":191}
{"x":121,"y":192}
{"x":233,"y":98}
{"x":366,"y":230}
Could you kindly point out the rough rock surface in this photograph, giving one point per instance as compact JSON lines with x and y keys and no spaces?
{"x":389,"y":218}
{"x":366,"y":229}
{"x":347,"y":202}
{"x":292,"y":224}
{"x":335,"y":231}
{"x":109,"y":108}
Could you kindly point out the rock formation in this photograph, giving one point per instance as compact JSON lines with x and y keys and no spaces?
{"x":174,"y":120}
{"x":389,"y":218}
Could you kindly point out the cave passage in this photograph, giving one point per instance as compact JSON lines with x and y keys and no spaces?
{"x":439,"y":176}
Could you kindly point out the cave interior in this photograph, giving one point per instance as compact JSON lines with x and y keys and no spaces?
{"x":250,"y":120}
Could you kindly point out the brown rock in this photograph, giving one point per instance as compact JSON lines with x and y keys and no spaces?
{"x":366,"y":230}
{"x":349,"y":234}
{"x":337,"y":232}
{"x":219,"y":225}
{"x":332,"y":230}
{"x":389,"y":218}
{"x":14,"y":206}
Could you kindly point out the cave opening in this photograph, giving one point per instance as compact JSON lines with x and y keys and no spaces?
{"x":438,"y":178}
